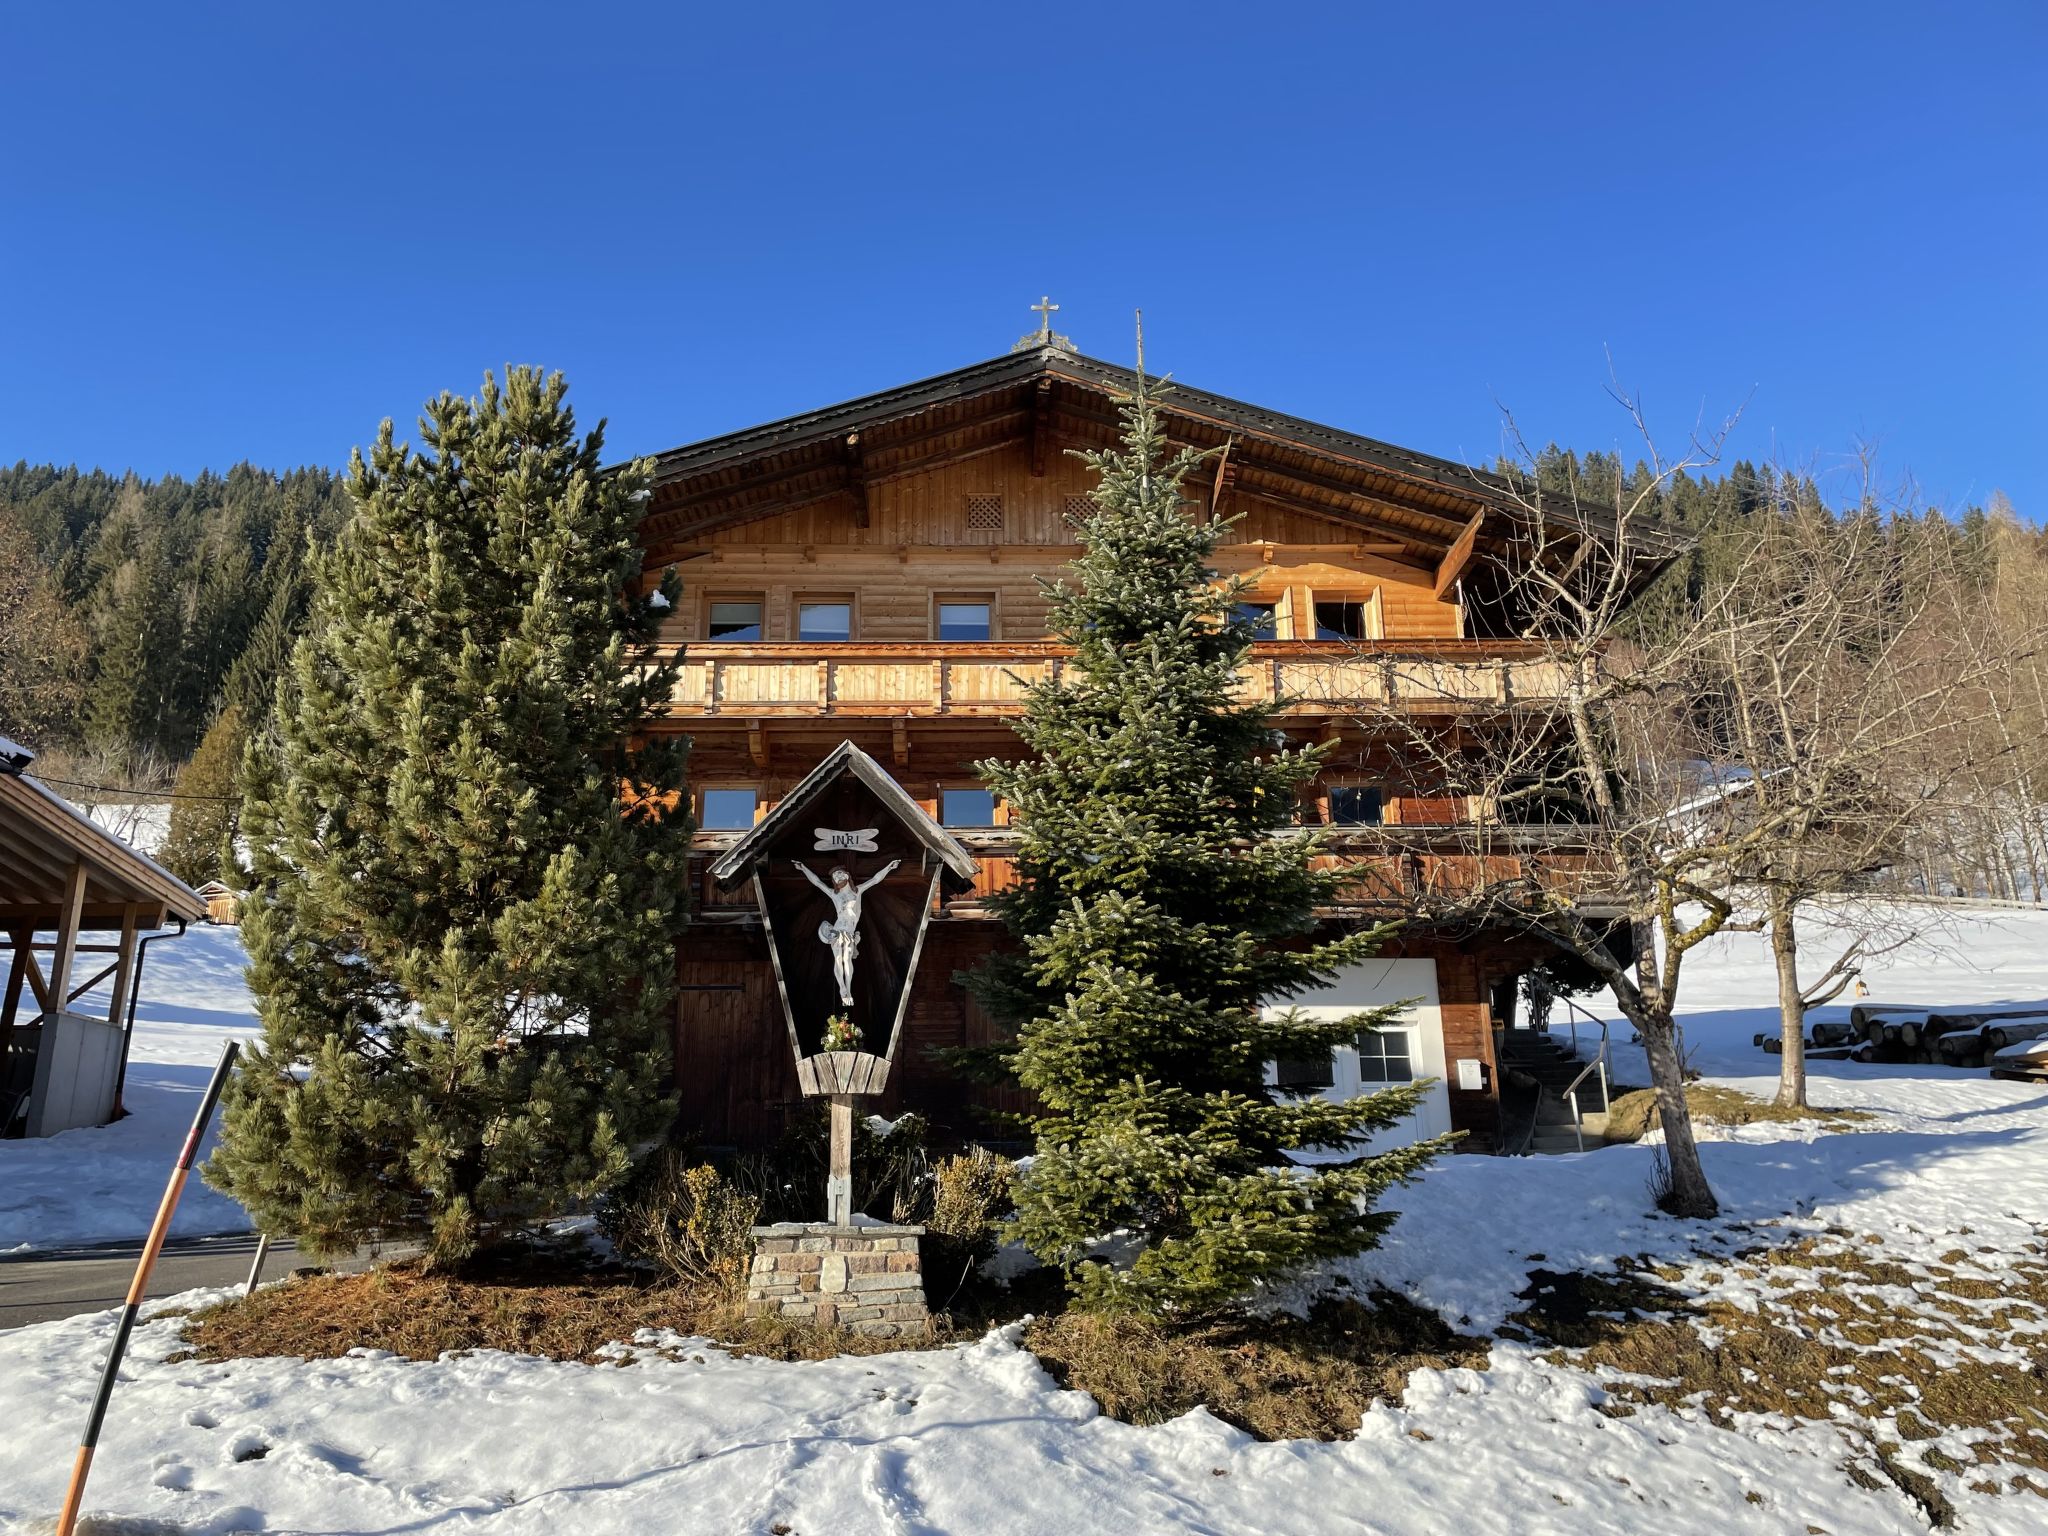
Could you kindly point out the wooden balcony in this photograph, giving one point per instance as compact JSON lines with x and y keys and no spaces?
{"x":989,"y":679}
{"x":1391,"y":869}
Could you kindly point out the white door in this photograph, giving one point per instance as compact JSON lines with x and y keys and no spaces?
{"x":1408,"y":1050}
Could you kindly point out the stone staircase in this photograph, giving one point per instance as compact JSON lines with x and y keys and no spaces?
{"x":1553,"y":1067}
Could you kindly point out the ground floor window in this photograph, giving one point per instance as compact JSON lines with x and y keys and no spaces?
{"x":1386,"y":1056}
{"x":1309,"y":1075}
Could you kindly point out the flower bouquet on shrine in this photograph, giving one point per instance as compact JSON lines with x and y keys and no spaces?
{"x":841,"y":1034}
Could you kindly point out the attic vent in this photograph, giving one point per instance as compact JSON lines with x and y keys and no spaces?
{"x":1079,"y":507}
{"x":985,"y":512}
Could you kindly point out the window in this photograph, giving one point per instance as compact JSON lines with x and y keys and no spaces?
{"x":1263,"y":618}
{"x":734,"y":619}
{"x":728,"y":810}
{"x":827,"y":621}
{"x":967,"y":808}
{"x":1306,"y":1076}
{"x":1386,"y":1056}
{"x":1341,"y":620}
{"x":985,"y":513}
{"x":1354,"y":805}
{"x":966,"y":619}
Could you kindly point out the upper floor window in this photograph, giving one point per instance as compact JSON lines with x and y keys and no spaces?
{"x":825,"y":620}
{"x":1355,"y":805}
{"x":967,"y":808}
{"x":728,"y":810}
{"x":1263,"y":617}
{"x":1342,"y":619}
{"x":966,"y":618}
{"x":734,"y":619}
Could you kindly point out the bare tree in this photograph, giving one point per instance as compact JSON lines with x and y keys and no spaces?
{"x":1576,"y":832}
{"x":1833,"y":707}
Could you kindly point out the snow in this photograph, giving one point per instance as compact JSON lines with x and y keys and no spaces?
{"x":102,"y":1184}
{"x":145,"y":825}
{"x":679,"y":1436}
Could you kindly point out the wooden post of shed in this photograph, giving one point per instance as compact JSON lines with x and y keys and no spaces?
{"x":67,"y":940}
{"x":124,"y":964}
{"x":17,"y":973}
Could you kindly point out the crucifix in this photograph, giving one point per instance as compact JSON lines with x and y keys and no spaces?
{"x":845,"y":930}
{"x":1046,"y":310}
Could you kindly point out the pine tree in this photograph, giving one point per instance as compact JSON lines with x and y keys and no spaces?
{"x":461,"y":939}
{"x":1160,"y":905}
{"x":205,"y":809}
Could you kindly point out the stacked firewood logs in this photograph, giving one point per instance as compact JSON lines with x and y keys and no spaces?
{"x":1959,"y":1037}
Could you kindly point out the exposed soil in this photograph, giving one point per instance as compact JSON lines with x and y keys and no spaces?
{"x":1929,"y":1368}
{"x":1634,"y":1113}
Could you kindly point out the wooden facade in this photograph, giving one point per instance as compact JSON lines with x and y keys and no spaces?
{"x":823,"y":559}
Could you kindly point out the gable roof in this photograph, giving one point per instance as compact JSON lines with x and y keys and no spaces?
{"x":1426,"y":509}
{"x":843,"y":759}
{"x":43,"y":836}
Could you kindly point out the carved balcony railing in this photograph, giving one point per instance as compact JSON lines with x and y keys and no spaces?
{"x":967,"y":679}
{"x":1389,"y":868}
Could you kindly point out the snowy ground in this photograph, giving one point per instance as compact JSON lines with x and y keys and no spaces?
{"x":102,"y":1184}
{"x":978,"y":1439}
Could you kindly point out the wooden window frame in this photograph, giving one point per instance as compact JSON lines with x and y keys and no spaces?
{"x":797,"y":602}
{"x":992,"y":600}
{"x":759,"y":598}
{"x":1372,"y":611}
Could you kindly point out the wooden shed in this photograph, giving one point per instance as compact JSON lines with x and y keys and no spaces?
{"x":62,"y":879}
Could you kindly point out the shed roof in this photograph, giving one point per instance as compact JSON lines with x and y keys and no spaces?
{"x":43,"y":837}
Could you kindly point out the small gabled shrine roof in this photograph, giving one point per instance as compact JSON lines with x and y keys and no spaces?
{"x":841,"y":761}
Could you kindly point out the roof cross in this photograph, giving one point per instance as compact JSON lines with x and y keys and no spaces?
{"x":1045,"y":335}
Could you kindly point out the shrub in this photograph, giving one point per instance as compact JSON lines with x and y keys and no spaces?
{"x":966,"y":1196}
{"x":970,"y":1194}
{"x":686,"y":1218}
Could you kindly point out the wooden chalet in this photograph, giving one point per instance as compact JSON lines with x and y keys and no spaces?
{"x":870,"y":573}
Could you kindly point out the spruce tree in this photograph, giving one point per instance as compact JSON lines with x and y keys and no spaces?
{"x":465,"y":897}
{"x":205,"y":804}
{"x":1161,"y":904}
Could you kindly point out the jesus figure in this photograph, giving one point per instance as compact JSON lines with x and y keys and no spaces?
{"x":841,"y":931}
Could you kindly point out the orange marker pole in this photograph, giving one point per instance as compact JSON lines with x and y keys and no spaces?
{"x":159,"y":1229}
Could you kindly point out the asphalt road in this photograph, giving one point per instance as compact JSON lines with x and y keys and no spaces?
{"x":62,"y":1282}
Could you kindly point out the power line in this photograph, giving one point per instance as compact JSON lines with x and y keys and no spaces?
{"x":139,"y":794}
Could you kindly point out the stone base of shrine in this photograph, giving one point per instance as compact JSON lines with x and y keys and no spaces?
{"x":868,"y":1279}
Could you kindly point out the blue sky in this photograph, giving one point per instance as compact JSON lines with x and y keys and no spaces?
{"x":252,"y":232}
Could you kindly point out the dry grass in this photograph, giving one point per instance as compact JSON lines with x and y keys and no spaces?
{"x":563,"y":1313}
{"x":1898,"y":1355}
{"x":1278,"y":1378}
{"x":1635,"y":1113}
